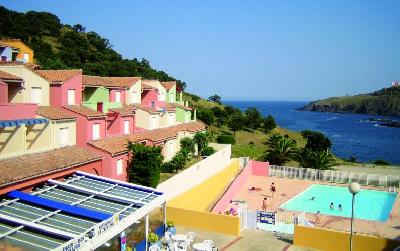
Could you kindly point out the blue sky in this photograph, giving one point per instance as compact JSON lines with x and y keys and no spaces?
{"x":250,"y":50}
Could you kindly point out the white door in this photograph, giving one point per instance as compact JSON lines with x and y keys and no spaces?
{"x":71,"y":97}
{"x":119,"y":167}
{"x":171,"y":150}
{"x":171,"y":98}
{"x":96,"y":131}
{"x":26,"y":58}
{"x":171,"y":119}
{"x":187,"y":117}
{"x":126,"y":127}
{"x":36,"y":95}
{"x":63,"y":136}
{"x":153,"y":123}
{"x":118,"y":96}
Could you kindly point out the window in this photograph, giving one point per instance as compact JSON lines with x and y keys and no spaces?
{"x":119,"y":167}
{"x":71,"y":97}
{"x":63,"y":136}
{"x":36,"y":95}
{"x":117,"y":96}
{"x":96,"y":131}
{"x":126,"y":127}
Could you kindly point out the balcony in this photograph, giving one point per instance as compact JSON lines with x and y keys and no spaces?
{"x":12,"y":111}
{"x":102,"y":106}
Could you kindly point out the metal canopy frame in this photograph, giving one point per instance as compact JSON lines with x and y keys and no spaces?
{"x":72,"y":214}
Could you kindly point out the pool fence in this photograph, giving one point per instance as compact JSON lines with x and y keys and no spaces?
{"x":335,"y":176}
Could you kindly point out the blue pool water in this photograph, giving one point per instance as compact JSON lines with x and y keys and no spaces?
{"x":369,"y":204}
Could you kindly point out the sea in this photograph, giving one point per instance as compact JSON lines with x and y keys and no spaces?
{"x":350,"y":134}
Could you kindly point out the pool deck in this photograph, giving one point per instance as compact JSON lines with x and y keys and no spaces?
{"x":288,"y":188}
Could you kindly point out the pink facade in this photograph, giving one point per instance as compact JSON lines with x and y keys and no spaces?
{"x":13,"y":111}
{"x":113,"y":95}
{"x":256,"y":168}
{"x":84,"y":128}
{"x":3,"y":92}
{"x":59,"y":92}
{"x":149,"y":97}
{"x":116,"y":124}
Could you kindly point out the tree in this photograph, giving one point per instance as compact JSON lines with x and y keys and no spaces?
{"x":220,"y":115}
{"x":188,"y":145}
{"x":268,"y":124}
{"x":205,"y":115}
{"x":316,"y":141}
{"x":145,"y":165}
{"x":215,"y":98}
{"x":201,"y":139}
{"x":230,"y":110}
{"x":253,"y":118}
{"x":282,"y":150}
{"x":235,"y":123}
{"x":321,"y":160}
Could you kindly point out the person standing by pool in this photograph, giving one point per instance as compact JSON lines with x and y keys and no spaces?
{"x":331,"y":206}
{"x":317,"y":220}
{"x":264,"y":204}
{"x":273,"y":189}
{"x":340,"y":207}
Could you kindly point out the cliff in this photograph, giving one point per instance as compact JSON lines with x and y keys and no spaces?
{"x":383,"y":102}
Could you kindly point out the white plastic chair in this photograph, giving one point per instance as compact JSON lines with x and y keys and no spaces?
{"x":210,"y":243}
{"x":154,"y":248}
{"x":190,"y":236}
{"x":170,"y":242}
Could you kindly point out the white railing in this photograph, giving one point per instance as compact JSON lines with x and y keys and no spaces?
{"x":335,"y":176}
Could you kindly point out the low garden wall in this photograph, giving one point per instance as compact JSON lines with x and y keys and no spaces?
{"x":332,"y":240}
{"x":197,"y":173}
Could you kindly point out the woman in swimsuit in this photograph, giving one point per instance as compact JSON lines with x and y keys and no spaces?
{"x":273,"y":189}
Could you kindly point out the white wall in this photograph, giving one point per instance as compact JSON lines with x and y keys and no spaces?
{"x":197,"y":173}
{"x":134,"y":94}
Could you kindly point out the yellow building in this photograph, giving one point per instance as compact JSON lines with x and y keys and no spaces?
{"x":25,"y":52}
{"x":35,"y":89}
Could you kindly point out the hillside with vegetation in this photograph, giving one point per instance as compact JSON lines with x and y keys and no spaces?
{"x":64,"y":46}
{"x":383,"y":102}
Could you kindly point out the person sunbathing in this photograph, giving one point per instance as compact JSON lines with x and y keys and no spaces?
{"x":251,"y":189}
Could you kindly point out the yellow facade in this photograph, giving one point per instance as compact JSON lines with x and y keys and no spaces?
{"x":38,"y":138}
{"x":331,"y":240}
{"x":25,"y":52}
{"x":134,"y":93}
{"x":56,"y":127}
{"x":12,"y":141}
{"x":192,"y":208}
{"x":31,"y":81}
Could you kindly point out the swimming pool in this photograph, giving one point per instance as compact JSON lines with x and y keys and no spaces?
{"x":369,"y":204}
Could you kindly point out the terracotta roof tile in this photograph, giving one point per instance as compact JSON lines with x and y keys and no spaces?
{"x":125,"y":110}
{"x":168,"y":85}
{"x":29,"y":66}
{"x":7,"y":76}
{"x":124,"y":81}
{"x":59,"y":75}
{"x":85,"y":111}
{"x":147,"y":87}
{"x":116,"y":82}
{"x":117,"y":145}
{"x":28,"y":166}
{"x":54,"y":113}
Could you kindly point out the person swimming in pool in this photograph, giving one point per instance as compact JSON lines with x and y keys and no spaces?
{"x":331,"y":206}
{"x":340,"y":207}
{"x":312,"y":198}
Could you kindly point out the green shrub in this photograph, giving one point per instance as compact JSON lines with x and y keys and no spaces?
{"x":381,"y":162}
{"x":226,"y":139}
{"x":153,"y":238}
{"x":208,"y":150}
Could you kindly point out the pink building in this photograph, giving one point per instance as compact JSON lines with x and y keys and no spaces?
{"x":90,"y":124}
{"x":117,"y":95}
{"x":120,"y":121}
{"x":65,"y":86}
{"x":149,"y":96}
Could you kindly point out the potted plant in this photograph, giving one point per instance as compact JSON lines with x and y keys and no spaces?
{"x":171,"y":227}
{"x":153,"y":238}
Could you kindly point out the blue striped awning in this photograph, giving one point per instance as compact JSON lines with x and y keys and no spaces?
{"x":19,"y":122}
